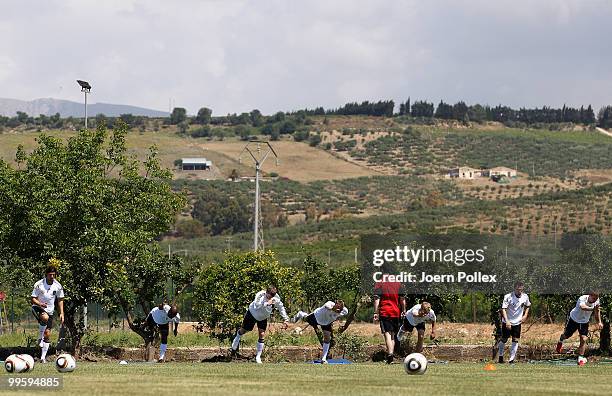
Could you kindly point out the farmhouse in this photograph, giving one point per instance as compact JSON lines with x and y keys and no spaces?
{"x":190,"y":164}
{"x":502,"y":171}
{"x":465,"y":172}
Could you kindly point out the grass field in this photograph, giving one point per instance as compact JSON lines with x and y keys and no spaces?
{"x":355,"y":379}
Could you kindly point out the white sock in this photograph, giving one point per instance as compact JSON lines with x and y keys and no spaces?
{"x":236,"y":341}
{"x":45,"y":349}
{"x":41,"y":332}
{"x":325,"y":350}
{"x":501,"y":346}
{"x":513,"y":350}
{"x":260,"y":348}
{"x":299,"y":316}
{"x":162,"y":350}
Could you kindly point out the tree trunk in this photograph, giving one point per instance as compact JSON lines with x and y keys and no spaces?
{"x":604,"y":338}
{"x":75,"y":330}
{"x":142,"y":330}
{"x":352,"y":313}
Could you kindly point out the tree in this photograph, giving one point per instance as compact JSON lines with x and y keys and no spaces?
{"x":204,"y":116}
{"x":179,"y":114}
{"x":96,"y":211}
{"x":225,"y":289}
{"x":605,"y":117}
{"x":256,"y":118}
{"x":221,"y":212}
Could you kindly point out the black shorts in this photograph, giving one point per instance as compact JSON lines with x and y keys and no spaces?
{"x":312,"y":320}
{"x":409,"y":327}
{"x":248,"y":323}
{"x":164,"y":329}
{"x":389,"y":325}
{"x":37,"y":311}
{"x":571,"y":326}
{"x":514,"y":332}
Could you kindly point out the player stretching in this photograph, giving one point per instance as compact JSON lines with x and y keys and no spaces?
{"x":578,"y":319}
{"x":514,"y":311}
{"x":324,"y":316}
{"x":417,"y":316}
{"x":45,"y":292}
{"x":160,"y":318}
{"x":389,"y":307}
{"x":259,"y":312}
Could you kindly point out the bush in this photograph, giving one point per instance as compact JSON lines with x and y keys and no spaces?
{"x":225,"y":289}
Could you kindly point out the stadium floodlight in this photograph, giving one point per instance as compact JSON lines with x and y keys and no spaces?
{"x":258,"y":158}
{"x":85,"y":88}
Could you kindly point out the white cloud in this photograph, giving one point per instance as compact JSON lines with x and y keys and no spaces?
{"x":233,"y":56}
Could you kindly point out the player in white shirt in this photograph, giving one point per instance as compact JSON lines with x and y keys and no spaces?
{"x":46,"y":292}
{"x":514,"y":311}
{"x":259,"y":312}
{"x":579,"y":318}
{"x":324,"y":316}
{"x":160,"y":318}
{"x":416,"y":317}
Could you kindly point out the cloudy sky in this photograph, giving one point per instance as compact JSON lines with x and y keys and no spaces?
{"x":234,"y":56}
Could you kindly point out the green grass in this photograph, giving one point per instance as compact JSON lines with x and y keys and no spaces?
{"x":354,"y":379}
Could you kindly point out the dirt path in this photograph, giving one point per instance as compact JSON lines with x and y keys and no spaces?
{"x":604,"y":131}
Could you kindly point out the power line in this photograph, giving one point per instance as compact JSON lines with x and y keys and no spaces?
{"x":258,"y":158}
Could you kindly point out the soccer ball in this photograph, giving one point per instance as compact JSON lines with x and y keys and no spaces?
{"x":30,"y":361}
{"x":415,"y":363}
{"x":19,"y":364}
{"x":297,"y":331}
{"x":65,"y":363}
{"x":581,"y":361}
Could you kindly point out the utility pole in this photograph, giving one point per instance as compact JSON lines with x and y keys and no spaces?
{"x":258,"y":157}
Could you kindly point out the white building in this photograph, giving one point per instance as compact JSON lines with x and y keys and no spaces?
{"x":190,"y":164}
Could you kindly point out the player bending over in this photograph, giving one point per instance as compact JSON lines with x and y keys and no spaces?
{"x":417,"y":316}
{"x":514,"y":311}
{"x":324,"y":316}
{"x":578,"y":319}
{"x":259,"y":312}
{"x":159,"y":319}
{"x":45,"y":292}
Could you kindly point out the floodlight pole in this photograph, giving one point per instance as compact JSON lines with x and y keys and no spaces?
{"x":85,"y":88}
{"x":258,"y":241}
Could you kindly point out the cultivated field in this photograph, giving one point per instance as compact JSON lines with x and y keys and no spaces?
{"x":353,"y":379}
{"x":298,"y":161}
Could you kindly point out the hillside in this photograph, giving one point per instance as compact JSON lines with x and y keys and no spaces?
{"x":66,"y":108}
{"x":374,"y":174}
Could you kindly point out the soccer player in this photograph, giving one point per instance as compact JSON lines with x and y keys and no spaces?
{"x":416,"y":317}
{"x":389,"y":307}
{"x":324,"y":316}
{"x":514,"y":311}
{"x":258,"y":313}
{"x":45,"y":292}
{"x":579,"y":318}
{"x":160,"y":318}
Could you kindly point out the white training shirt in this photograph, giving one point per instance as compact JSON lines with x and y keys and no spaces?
{"x":515,"y":307}
{"x":413,"y":319}
{"x":326,"y":315}
{"x":160,"y":316}
{"x":46,"y":293}
{"x":578,"y":314}
{"x":261,"y":309}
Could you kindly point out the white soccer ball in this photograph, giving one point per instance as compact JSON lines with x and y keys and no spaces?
{"x":415,"y":363}
{"x":18,"y":364}
{"x":582,"y":361}
{"x":65,"y":363}
{"x":297,"y":331}
{"x":30,"y":361}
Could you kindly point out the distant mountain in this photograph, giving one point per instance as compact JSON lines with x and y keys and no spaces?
{"x":66,"y":108}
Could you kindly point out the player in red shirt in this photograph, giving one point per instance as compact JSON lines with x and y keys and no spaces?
{"x":389,"y":308}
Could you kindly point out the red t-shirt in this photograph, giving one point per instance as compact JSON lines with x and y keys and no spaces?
{"x":389,"y":294}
